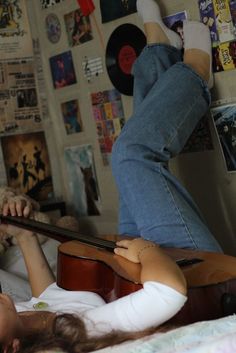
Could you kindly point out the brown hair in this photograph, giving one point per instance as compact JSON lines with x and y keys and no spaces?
{"x":68,"y":334}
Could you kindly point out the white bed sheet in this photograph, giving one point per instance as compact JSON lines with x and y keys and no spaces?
{"x":215,"y":336}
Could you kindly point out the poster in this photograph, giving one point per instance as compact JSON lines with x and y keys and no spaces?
{"x":27,"y":164}
{"x":109,"y":118}
{"x":62,"y":69}
{"x":92,"y":67}
{"x":201,"y":139}
{"x":113,"y":9}
{"x":82,"y":180}
{"x":224,"y":118}
{"x":224,"y":57}
{"x":175,"y":22}
{"x":48,"y":3}
{"x":78,"y":28}
{"x":19,"y":106}
{"x":220,"y":16}
{"x":71,"y":116}
{"x":15,"y":35}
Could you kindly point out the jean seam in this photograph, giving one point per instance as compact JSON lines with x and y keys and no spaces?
{"x":177,"y":208}
{"x":202,"y":81}
{"x":168,"y":47}
{"x":169,"y":142}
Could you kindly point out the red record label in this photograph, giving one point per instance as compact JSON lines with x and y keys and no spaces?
{"x":126,"y":58}
{"x":124,"y":46}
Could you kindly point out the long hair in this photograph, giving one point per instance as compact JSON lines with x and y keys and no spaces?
{"x":68,"y":334}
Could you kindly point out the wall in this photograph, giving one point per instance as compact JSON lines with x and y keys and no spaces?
{"x":203,"y":173}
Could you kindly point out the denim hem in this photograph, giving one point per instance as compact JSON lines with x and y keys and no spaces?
{"x":162,"y":45}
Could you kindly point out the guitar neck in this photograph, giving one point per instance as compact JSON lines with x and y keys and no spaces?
{"x":54,"y":231}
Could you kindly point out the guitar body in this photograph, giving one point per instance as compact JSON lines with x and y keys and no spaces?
{"x":82,"y":267}
{"x":85,"y":267}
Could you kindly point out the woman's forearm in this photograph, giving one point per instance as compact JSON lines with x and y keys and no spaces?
{"x":39,"y":272}
{"x":159,"y":267}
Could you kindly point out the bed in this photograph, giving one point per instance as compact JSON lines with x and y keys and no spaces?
{"x":214,"y":336}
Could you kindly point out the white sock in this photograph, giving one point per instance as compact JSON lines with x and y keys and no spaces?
{"x":197,"y":36}
{"x":149,"y":12}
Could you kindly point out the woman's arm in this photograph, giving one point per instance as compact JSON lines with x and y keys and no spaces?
{"x":162,"y":295}
{"x":156,"y":265}
{"x":39,"y":272}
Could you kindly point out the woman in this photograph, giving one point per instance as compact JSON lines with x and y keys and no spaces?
{"x":153,"y":205}
{"x":171,"y":95}
{"x":46,"y":321}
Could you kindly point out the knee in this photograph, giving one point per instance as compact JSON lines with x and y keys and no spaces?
{"x":124,"y":151}
{"x":118,"y":152}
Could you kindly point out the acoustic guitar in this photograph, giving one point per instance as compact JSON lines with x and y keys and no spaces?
{"x":89,"y":263}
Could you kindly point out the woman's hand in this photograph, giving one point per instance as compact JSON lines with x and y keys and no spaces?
{"x":131,"y":249}
{"x":17,"y":206}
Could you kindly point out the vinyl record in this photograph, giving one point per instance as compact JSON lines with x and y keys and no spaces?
{"x":124,"y":46}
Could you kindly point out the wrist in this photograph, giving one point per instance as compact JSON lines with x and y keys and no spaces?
{"x":146,"y":248}
{"x":28,"y":238}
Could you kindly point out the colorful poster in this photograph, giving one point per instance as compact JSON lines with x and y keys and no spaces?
{"x":109,"y":117}
{"x":15,"y":35}
{"x":19,"y":106}
{"x":224,"y":118}
{"x":224,"y":22}
{"x":48,"y":3}
{"x":82,"y":180}
{"x":113,"y":9}
{"x":71,"y":116}
{"x":78,"y":28}
{"x":207,"y":16}
{"x":27,"y":164}
{"x":62,"y":69}
{"x":224,"y":57}
{"x":220,"y":16}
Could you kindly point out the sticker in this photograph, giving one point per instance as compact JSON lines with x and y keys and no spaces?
{"x":53,"y":28}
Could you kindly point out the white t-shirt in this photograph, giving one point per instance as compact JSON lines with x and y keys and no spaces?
{"x":150,"y":306}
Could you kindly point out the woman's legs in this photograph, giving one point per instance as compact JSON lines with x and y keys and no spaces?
{"x":157,"y":58}
{"x":161,"y":208}
{"x":157,"y":61}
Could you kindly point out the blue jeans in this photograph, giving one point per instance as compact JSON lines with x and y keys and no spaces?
{"x":169,"y":100}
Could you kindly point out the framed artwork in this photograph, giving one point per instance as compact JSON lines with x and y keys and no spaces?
{"x":82,"y":180}
{"x":71,"y":116}
{"x":78,"y":28}
{"x":224,"y":118}
{"x":62,"y":69}
{"x":113,"y":9}
{"x":27,"y":164}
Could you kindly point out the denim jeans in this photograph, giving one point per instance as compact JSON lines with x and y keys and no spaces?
{"x":169,"y":100}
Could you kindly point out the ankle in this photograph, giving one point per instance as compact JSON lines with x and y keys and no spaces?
{"x":155,"y":34}
{"x":200,"y":62}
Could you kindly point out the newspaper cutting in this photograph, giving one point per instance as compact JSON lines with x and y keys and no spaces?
{"x":19,"y":106}
{"x":15,"y":35}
